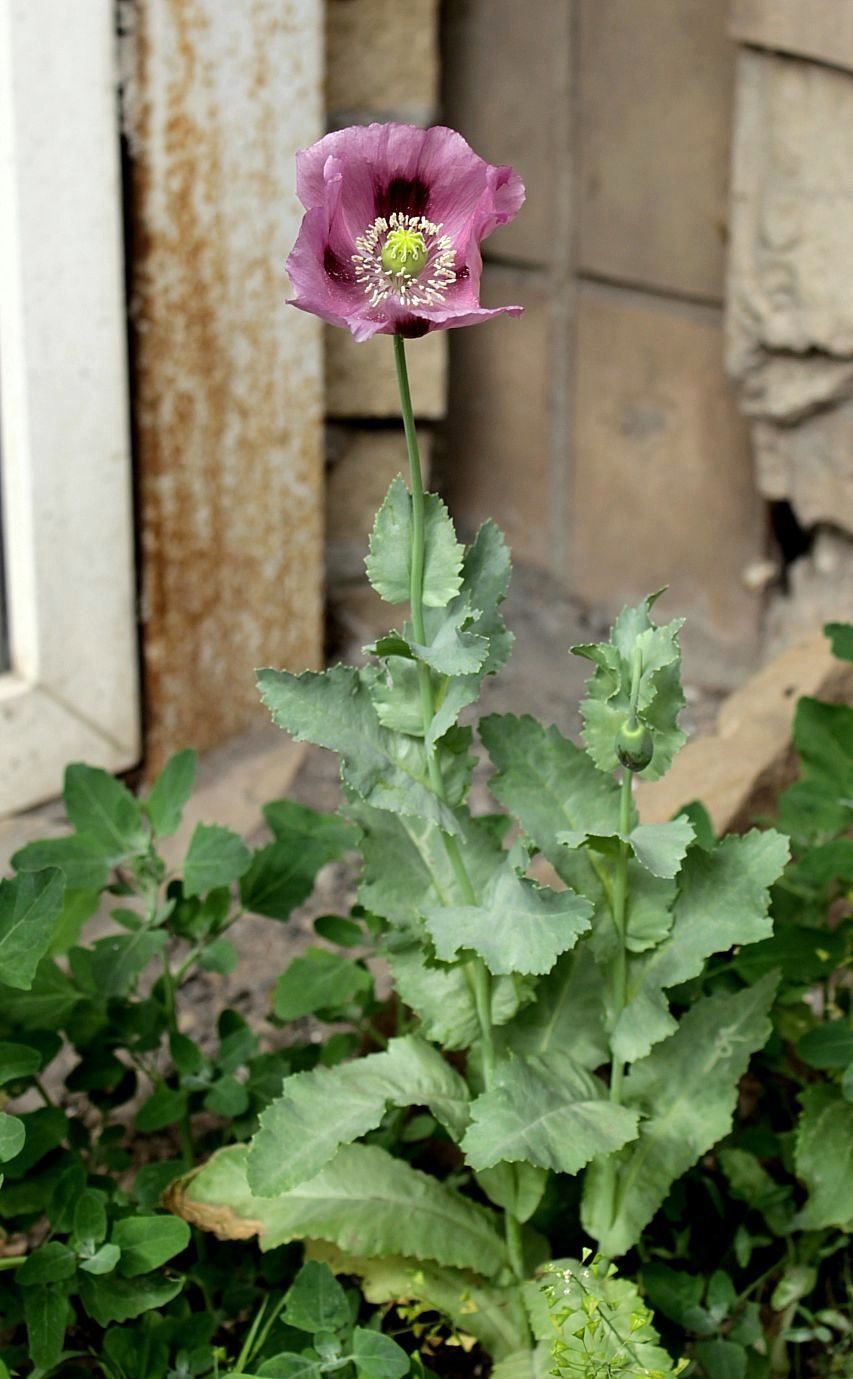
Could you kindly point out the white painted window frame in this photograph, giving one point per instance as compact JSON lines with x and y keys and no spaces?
{"x":72,"y":692}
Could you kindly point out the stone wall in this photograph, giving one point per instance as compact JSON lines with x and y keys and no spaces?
{"x":381,"y":64}
{"x":790,"y":294}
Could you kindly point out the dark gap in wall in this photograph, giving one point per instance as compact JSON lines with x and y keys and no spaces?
{"x":792,"y":540}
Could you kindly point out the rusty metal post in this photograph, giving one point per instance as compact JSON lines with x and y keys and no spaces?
{"x":227,"y":381}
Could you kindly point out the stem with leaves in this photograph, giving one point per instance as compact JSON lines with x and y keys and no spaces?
{"x":620,"y":916}
{"x":478,"y":972}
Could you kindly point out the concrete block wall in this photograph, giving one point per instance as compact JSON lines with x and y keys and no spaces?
{"x":382,"y":63}
{"x":601,"y":429}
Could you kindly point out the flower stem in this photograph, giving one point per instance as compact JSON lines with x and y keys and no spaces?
{"x":480,"y":977}
{"x":620,"y":901}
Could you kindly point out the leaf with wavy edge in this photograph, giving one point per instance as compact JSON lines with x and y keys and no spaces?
{"x":519,"y":926}
{"x":320,"y":1110}
{"x":551,"y":786}
{"x":687,"y":1090}
{"x":333,"y":709}
{"x":724,"y":900}
{"x":365,"y":1201}
{"x":389,"y":563}
{"x":548,"y":1111}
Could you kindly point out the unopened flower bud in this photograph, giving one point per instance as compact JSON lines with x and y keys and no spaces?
{"x":634,"y":746}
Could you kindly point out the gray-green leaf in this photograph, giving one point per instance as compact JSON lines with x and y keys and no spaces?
{"x":519,"y":926}
{"x":364,"y":1201}
{"x":724,"y":900}
{"x":334,"y":709}
{"x":298,"y":1136}
{"x":608,"y":702}
{"x":660,"y":848}
{"x":389,"y":563}
{"x":686,"y":1090}
{"x":548,"y":1111}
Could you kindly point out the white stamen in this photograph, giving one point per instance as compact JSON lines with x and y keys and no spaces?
{"x":429,"y":288}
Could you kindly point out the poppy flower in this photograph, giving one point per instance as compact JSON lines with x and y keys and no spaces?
{"x":390,"y":242}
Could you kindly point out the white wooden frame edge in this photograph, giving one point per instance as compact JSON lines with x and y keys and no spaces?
{"x":73,"y":689}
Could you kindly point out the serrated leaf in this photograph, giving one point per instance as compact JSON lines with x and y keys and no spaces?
{"x":634,"y":636}
{"x":217,"y":857}
{"x":146,"y":1242}
{"x":547,"y":1111}
{"x":452,"y":648}
{"x":519,"y":926}
{"x":318,"y":981}
{"x":30,"y":905}
{"x":389,"y":563}
{"x":168,"y":797}
{"x":80,"y":859}
{"x":364,"y":1201}
{"x":396,"y":697}
{"x":824,"y":1158}
{"x":442,"y":999}
{"x":568,"y":1014}
{"x":724,"y":900}
{"x":660,"y":848}
{"x":103,"y":808}
{"x":406,"y":867}
{"x":551,"y":787}
{"x":686,"y":1090}
{"x":333,"y":709}
{"x":298,"y":1136}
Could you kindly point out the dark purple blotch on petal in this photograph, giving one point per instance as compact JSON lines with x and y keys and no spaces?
{"x":336,"y":267}
{"x":403,"y":195}
{"x":412,"y":327}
